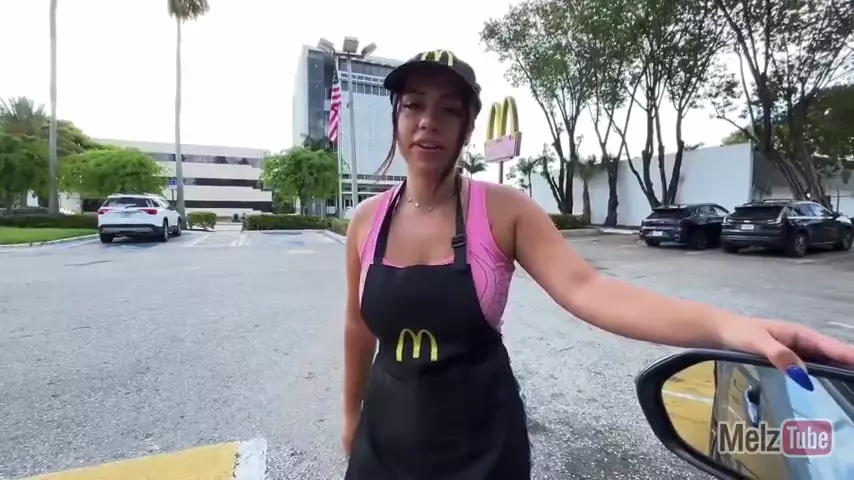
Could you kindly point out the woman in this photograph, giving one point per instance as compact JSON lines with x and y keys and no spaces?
{"x":428,"y":269}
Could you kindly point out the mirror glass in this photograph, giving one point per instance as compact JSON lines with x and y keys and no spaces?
{"x":758,"y":422}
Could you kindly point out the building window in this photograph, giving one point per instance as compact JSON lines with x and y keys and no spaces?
{"x":221,"y":182}
{"x":217,"y":159}
{"x":236,"y":204}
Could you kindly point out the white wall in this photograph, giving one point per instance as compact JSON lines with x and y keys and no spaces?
{"x":188,"y":148}
{"x":720,"y":175}
{"x":214,"y":170}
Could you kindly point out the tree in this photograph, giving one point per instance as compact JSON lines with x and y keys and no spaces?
{"x":828,"y":131}
{"x":302,"y":173}
{"x":522,"y":172}
{"x":677,"y":42}
{"x":694,"y":54}
{"x":604,"y":33}
{"x":472,"y":162}
{"x":21,"y":116}
{"x":585,"y":171}
{"x":100,"y":173}
{"x":53,"y":178}
{"x":182,"y":11}
{"x":535,"y":39}
{"x":788,"y":53}
{"x":23,"y":166}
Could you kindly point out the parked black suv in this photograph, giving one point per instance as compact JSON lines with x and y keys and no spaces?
{"x":793,"y":226}
{"x":696,"y":225}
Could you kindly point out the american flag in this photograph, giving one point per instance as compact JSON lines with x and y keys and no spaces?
{"x":335,"y":106}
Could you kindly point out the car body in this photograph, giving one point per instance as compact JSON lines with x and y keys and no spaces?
{"x":793,"y":226}
{"x":749,"y":395}
{"x":696,"y":225}
{"x":138,"y":215}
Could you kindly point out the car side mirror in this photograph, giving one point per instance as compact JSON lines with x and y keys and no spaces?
{"x":733,"y":415}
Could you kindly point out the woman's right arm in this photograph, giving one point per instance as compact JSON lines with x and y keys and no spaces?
{"x":359,"y":343}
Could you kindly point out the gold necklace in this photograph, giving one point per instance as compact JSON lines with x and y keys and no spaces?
{"x":429,"y":207}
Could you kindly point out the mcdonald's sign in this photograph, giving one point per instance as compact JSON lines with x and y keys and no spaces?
{"x":500,"y":144}
{"x":436,"y":56}
{"x":417,"y":338}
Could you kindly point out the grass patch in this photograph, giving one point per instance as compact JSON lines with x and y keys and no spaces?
{"x":17,"y":236}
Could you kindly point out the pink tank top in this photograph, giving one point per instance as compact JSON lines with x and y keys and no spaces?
{"x":491,"y":270}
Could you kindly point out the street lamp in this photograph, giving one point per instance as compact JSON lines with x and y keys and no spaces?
{"x":349,"y":50}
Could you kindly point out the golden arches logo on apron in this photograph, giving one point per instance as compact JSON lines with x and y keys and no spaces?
{"x":417,"y":338}
{"x":436,"y":56}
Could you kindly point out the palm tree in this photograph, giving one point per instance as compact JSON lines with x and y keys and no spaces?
{"x":522,"y":172}
{"x":472,"y":162}
{"x":53,"y":183}
{"x":585,"y":171}
{"x":181,"y":11}
{"x":21,"y":116}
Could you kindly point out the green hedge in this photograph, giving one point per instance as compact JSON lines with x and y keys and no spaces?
{"x":568,"y":222}
{"x":339,"y":226}
{"x":206,"y":220}
{"x":83,"y":220}
{"x":285,"y":222}
{"x":18,"y":211}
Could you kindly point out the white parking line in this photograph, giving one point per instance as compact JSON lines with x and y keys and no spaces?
{"x":239,"y":241}
{"x":251,"y":461}
{"x":198,"y":241}
{"x":838,"y":324}
{"x":686,"y":396}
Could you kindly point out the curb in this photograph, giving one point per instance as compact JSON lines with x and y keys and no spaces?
{"x":618,"y":231}
{"x":335,"y":236}
{"x":590,"y":232}
{"x":327,"y":233}
{"x":51,"y":242}
{"x":580,"y":232}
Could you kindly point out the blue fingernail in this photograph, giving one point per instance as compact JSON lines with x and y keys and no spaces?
{"x":799,"y":376}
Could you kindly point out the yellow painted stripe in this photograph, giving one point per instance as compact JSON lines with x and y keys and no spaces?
{"x":213,"y":462}
{"x":689,"y":396}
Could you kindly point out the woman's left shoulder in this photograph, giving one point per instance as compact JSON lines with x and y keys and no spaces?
{"x":504,"y":200}
{"x":504,"y":204}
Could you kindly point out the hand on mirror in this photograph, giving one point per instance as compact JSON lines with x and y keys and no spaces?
{"x":786,"y":345}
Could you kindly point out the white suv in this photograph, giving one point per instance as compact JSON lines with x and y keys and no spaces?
{"x":138,"y":215}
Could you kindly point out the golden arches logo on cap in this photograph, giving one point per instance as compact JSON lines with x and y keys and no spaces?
{"x":437,"y":55}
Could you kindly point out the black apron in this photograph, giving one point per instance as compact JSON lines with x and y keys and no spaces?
{"x":441,"y":401}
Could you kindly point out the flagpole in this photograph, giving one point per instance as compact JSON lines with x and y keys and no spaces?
{"x":340,"y":196}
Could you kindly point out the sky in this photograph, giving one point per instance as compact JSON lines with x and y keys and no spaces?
{"x":116,"y":65}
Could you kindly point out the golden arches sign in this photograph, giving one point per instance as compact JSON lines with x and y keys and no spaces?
{"x":416,"y":344}
{"x":502,"y":144}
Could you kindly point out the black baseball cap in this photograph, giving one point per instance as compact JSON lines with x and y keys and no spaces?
{"x":396,"y":79}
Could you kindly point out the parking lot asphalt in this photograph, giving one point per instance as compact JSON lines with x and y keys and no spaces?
{"x":112,"y":352}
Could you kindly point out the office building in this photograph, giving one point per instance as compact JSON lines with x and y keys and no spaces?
{"x":224,"y":180}
{"x":372,"y":111}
